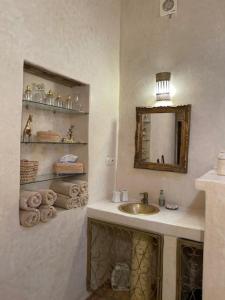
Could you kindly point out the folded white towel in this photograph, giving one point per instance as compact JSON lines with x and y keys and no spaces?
{"x":29,"y":200}
{"x":48,"y":196}
{"x":47,"y":212}
{"x":65,"y":188}
{"x":29,"y":218}
{"x":67,"y":202}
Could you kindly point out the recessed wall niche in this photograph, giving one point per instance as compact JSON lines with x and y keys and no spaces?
{"x":55,"y":115}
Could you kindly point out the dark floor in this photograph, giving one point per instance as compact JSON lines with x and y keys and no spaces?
{"x":109,"y":294}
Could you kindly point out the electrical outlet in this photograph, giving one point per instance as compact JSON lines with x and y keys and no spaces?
{"x":109,"y":161}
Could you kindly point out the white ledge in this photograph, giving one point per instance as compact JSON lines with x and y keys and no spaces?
{"x":208,"y":179}
{"x":183,"y":223}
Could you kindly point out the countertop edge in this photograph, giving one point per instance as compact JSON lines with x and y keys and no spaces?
{"x":196,"y":233}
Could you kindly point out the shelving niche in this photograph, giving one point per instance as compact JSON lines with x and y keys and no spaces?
{"x":58,"y":119}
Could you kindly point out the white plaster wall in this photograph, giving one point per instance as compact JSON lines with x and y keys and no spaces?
{"x":192,"y":46}
{"x":79,"y":39}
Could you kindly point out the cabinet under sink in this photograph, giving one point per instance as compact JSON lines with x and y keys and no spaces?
{"x":141,"y":253}
{"x":127,"y":264}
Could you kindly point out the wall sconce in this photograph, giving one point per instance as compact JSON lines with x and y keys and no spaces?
{"x":163,"y":86}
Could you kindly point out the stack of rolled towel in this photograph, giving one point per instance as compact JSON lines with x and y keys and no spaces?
{"x":70,"y":194}
{"x":36,"y":206}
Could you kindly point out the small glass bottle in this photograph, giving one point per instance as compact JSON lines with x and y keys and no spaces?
{"x":50,"y":98}
{"x":42,"y":95}
{"x":27,"y":94}
{"x":69,"y":103}
{"x":162,"y":200}
{"x":38,"y":92}
{"x":58,"y":101}
{"x":76,"y":103}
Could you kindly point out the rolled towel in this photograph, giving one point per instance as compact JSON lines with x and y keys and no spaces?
{"x":48,"y":196}
{"x":82,"y":184}
{"x":29,"y":218}
{"x":30,"y":200}
{"x":83,"y":199}
{"x":66,"y":202}
{"x":47,"y":212}
{"x":66,"y":188}
{"x":76,"y":202}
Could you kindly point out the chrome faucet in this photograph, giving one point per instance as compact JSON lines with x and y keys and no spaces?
{"x":144,"y":200}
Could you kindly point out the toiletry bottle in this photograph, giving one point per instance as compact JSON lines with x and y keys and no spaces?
{"x":162,"y":200}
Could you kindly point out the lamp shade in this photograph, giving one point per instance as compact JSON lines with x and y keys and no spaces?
{"x":163,"y":86}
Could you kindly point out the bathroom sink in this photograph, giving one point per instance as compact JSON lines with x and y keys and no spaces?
{"x":139,"y":209}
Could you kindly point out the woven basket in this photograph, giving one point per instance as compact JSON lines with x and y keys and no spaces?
{"x":28,"y":171}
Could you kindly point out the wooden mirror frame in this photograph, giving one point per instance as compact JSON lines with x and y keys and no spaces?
{"x":185,"y":111}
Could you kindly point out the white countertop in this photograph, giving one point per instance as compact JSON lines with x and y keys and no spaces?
{"x":209,"y":179}
{"x":183,"y":223}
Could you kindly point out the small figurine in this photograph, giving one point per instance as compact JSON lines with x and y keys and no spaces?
{"x":69,"y":135}
{"x":28,"y":129}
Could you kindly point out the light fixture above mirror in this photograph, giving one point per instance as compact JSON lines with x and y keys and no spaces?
{"x":163,"y":86}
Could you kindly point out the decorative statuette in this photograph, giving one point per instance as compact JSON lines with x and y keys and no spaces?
{"x":27,"y":132}
{"x":69,"y":136}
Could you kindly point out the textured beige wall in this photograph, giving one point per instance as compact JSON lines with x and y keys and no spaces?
{"x":80,"y":39}
{"x":191,"y":46}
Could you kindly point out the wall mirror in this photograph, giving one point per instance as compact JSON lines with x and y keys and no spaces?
{"x":162,"y":138}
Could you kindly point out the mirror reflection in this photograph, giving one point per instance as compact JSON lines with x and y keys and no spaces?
{"x":162,"y":138}
{"x":159,"y":138}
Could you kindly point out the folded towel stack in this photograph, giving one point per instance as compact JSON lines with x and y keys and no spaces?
{"x":66,"y":188}
{"x":70,"y":194}
{"x":83,"y":191}
{"x":36,"y":207}
{"x":30,"y":200}
{"x":29,"y":218}
{"x":48,"y":197}
{"x":47,"y":212}
{"x":67,"y":202}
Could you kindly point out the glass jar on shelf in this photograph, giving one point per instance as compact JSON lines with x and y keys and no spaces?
{"x":50,"y":98}
{"x":68,"y":103}
{"x":58,"y":101}
{"x":38,"y":94}
{"x":76,"y":103}
{"x":27,"y":93}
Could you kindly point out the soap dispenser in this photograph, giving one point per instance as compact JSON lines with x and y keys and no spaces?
{"x":162,"y":200}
